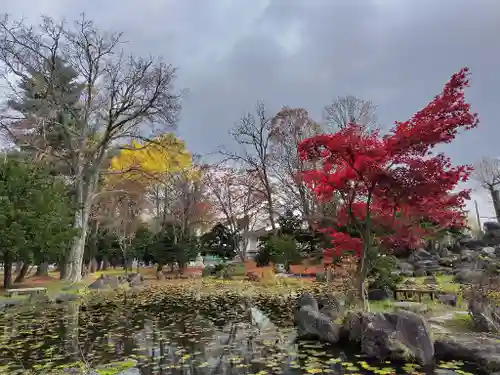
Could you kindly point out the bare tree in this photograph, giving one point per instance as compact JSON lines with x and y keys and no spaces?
{"x":350,"y":109}
{"x":289,"y":128}
{"x":237,"y":200}
{"x":253,"y":134}
{"x":122,"y":96}
{"x":487,"y":173}
{"x":183,"y":201}
{"x":121,"y":215}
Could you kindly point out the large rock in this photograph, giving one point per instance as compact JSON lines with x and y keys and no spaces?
{"x":405,"y":266}
{"x":400,"y":335}
{"x":482,"y":349}
{"x":426,"y":267}
{"x":112,"y":282}
{"x":468,"y":277}
{"x":421,"y":272}
{"x":488,"y":251}
{"x":467,"y":255}
{"x":65,"y":297}
{"x":418,"y":255}
{"x":448,"y":299}
{"x":380,"y":294}
{"x":330,"y":306}
{"x":485,"y":315}
{"x":315,"y":324}
{"x":444,"y":252}
{"x":39,"y":298}
{"x":307,"y":299}
{"x":11,"y":302}
{"x":416,"y":307}
{"x":135,"y":280}
{"x":472,"y":243}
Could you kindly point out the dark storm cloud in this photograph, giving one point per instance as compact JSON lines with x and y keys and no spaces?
{"x":304,"y":53}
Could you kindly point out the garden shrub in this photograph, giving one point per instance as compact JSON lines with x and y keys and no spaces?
{"x":320,"y":276}
{"x":382,"y":274}
{"x":278,"y":249}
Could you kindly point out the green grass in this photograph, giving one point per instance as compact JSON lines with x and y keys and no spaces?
{"x":431,"y":307}
{"x":460,"y":322}
{"x":53,"y":289}
{"x":382,"y":306}
{"x":444,"y":283}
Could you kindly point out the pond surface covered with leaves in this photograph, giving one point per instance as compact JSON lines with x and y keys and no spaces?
{"x":173,"y":336}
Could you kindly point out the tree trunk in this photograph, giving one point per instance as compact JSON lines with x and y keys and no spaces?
{"x":495,"y":197}
{"x":270,"y":211}
{"x":86,"y":182}
{"x":62,"y":269}
{"x":22,"y":273}
{"x":125,"y":259}
{"x":7,"y":270}
{"x":42,"y":269}
{"x":19,"y":266}
{"x":105,"y":264}
{"x":362,"y":275}
{"x":93,"y":267}
{"x":75,"y":258}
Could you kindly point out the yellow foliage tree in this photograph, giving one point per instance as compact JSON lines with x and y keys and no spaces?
{"x":153,"y":162}
{"x":161,"y":171}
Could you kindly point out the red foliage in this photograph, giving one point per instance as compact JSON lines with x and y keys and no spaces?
{"x":389,"y":185}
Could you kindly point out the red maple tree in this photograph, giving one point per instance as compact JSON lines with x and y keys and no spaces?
{"x":390,"y":185}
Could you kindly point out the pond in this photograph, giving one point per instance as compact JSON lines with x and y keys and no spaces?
{"x":165,"y":340}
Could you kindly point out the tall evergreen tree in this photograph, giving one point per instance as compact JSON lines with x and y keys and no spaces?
{"x":48,"y":101}
{"x":35,"y":215}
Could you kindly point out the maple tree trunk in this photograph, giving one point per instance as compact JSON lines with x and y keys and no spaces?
{"x":363,"y":270}
{"x":363,"y":262}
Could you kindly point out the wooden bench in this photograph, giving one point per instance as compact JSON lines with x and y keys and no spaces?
{"x":15,"y":292}
{"x":406,"y":293}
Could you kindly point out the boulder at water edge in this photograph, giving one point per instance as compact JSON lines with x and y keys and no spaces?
{"x":400,"y":335}
{"x":484,"y":350}
{"x":314,"y":323}
{"x":485,"y":315}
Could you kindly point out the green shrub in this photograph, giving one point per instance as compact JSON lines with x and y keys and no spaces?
{"x":226,"y":271}
{"x":238,"y":269}
{"x":321,"y":277}
{"x":208,"y":271}
{"x":382,"y":275}
{"x":279,"y":249}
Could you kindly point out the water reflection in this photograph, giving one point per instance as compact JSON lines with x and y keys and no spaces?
{"x":164,"y":341}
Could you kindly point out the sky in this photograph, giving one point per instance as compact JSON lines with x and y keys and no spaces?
{"x":305,"y":53}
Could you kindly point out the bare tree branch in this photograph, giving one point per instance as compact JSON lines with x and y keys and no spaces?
{"x":123,"y":97}
{"x":487,"y":173}
{"x":253,"y":135}
{"x":350,"y":109}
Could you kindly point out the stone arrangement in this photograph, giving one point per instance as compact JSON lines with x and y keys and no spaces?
{"x":398,"y":335}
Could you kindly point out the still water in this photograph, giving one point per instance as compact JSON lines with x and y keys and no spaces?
{"x":166,"y":341}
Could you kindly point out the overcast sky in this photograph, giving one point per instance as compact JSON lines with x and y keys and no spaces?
{"x":397,"y":53}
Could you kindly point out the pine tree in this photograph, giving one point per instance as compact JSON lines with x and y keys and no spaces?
{"x":40,"y":132}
